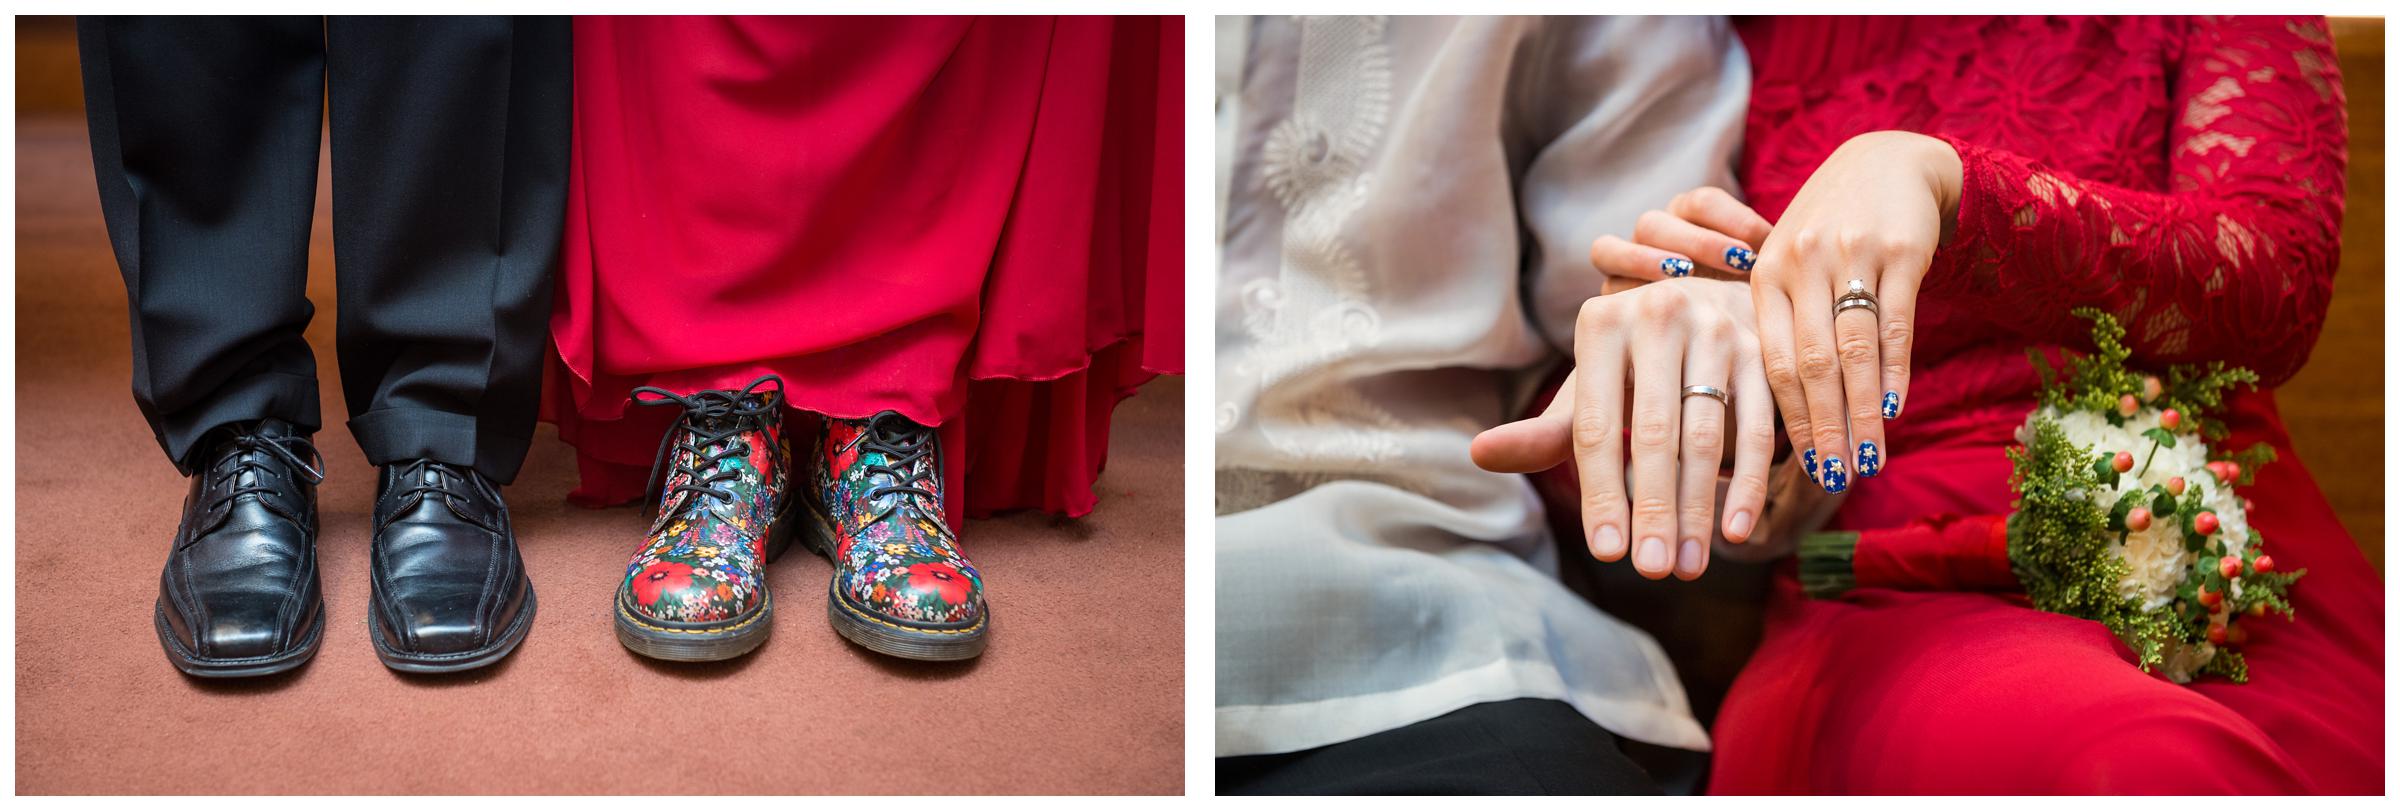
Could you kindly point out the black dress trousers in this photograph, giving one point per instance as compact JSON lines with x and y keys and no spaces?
{"x":449,"y":142}
{"x":1514,"y":747}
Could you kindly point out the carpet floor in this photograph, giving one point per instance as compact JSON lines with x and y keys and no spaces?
{"x":1081,"y":691}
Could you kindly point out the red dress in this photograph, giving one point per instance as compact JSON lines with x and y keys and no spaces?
{"x":2183,"y":174}
{"x":974,"y":222}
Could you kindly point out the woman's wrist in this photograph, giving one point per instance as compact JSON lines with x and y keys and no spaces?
{"x":1936,"y":159}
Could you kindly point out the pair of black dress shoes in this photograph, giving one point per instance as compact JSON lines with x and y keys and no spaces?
{"x":239,"y":596}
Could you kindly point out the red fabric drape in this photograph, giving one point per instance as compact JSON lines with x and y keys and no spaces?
{"x":972,"y":221}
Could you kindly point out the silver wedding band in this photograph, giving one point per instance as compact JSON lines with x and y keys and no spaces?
{"x":1856,"y":298}
{"x":1710,"y":391}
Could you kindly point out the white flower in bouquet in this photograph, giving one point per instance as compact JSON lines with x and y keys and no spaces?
{"x":2155,"y":558}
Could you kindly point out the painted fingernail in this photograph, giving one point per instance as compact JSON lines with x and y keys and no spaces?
{"x":1835,"y":480}
{"x":1808,"y":462}
{"x":1891,"y":405}
{"x":1740,"y":258}
{"x":1652,"y":557}
{"x":1870,"y":460}
{"x":1741,"y":524}
{"x":1675,"y":268}
{"x":1687,"y":558}
{"x":1612,"y":542}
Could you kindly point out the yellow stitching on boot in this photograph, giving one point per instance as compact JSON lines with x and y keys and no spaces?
{"x":629,"y":617}
{"x":845,"y":605}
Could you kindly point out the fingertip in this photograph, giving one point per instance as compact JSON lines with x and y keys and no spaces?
{"x":1738,"y":525}
{"x":1691,"y":560}
{"x":1608,"y":543}
{"x":1481,"y":451}
{"x":1653,"y":559}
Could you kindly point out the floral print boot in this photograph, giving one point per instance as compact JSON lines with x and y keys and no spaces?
{"x":900,"y":584}
{"x":697,"y":590}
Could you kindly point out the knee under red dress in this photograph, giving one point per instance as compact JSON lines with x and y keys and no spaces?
{"x":2183,"y":174}
{"x":975,"y":222}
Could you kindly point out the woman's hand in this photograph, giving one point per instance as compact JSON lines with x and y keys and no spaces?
{"x":1872,"y":216}
{"x":1704,"y":230}
{"x":1653,"y":342}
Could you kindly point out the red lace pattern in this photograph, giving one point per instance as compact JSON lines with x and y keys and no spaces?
{"x":2185,"y":174}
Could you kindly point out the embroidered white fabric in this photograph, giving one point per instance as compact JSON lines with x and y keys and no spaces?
{"x":1405,"y":210}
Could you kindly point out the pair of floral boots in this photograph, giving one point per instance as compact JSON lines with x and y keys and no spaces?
{"x":729,"y":502}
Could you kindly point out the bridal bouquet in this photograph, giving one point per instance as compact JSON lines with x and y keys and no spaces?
{"x":2123,"y":515}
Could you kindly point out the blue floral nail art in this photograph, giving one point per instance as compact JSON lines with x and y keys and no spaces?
{"x":1808,"y":462}
{"x":1740,"y":258}
{"x":1675,"y":268}
{"x":1891,"y":405}
{"x":1835,"y":480}
{"x":1870,"y":460}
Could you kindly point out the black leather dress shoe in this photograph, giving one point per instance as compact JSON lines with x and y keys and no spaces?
{"x":239,"y":595}
{"x":450,"y":591}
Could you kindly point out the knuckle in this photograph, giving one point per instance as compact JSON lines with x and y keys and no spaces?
{"x":1660,"y":309}
{"x":1716,"y":329}
{"x":1602,"y":504}
{"x":1858,"y":348}
{"x":1782,"y":374}
{"x":1807,"y":241}
{"x":1898,"y":331}
{"x":1831,"y":437}
{"x":1593,"y":431}
{"x":1750,"y":482}
{"x":1759,"y":436}
{"x":1856,"y":241}
{"x":1816,"y":359}
{"x":1653,"y":509}
{"x":1651,"y":432}
{"x":1649,"y":224}
{"x":1598,"y":312}
{"x":1704,"y":441}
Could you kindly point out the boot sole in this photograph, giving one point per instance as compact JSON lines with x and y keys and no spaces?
{"x":202,"y":667}
{"x":886,"y":636}
{"x":454,"y":662}
{"x":715,"y":642}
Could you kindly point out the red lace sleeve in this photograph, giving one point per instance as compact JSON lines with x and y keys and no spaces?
{"x":2234,"y":262}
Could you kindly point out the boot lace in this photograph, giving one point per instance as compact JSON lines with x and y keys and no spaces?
{"x":697,"y":445}
{"x":906,"y":474}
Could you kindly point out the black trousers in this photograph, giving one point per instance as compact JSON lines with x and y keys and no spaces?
{"x":1524,"y":746}
{"x":449,"y":140}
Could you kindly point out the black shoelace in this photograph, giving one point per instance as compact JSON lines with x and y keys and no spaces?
{"x":907,"y":471}
{"x":246,"y":450}
{"x":413,"y":480}
{"x":698,"y":444}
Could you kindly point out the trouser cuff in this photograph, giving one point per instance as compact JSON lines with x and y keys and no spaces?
{"x":287,"y":397}
{"x":396,"y":435}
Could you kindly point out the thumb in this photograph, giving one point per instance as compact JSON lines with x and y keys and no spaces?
{"x":1530,"y":445}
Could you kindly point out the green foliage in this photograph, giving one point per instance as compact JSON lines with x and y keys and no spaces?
{"x":2095,"y":382}
{"x":2251,"y":459}
{"x":2058,"y":540}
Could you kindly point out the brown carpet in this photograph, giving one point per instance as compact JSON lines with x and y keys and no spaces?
{"x":1082,"y":690}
